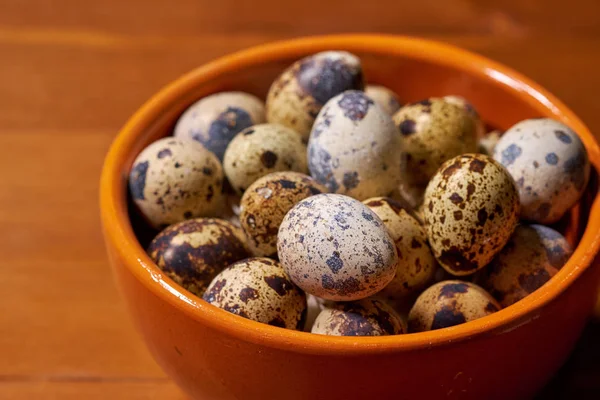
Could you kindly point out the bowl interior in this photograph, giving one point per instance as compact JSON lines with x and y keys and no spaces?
{"x":412,"y":68}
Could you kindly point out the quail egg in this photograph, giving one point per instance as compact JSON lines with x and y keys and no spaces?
{"x":531,"y":257}
{"x":354,"y":147}
{"x":194,"y":251}
{"x":471,"y":209}
{"x":550,"y":165}
{"x":260,"y":290}
{"x":433,"y":131}
{"x":416,"y":264}
{"x":215,"y":120}
{"x":367,"y":317}
{"x":336,"y":248}
{"x":265,"y":203}
{"x":462,"y":102}
{"x":297,"y":95}
{"x":175,"y":179}
{"x":260,"y":150}
{"x":383,"y":96}
{"x":450,"y":303}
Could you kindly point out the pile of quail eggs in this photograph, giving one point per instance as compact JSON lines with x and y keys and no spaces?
{"x":334,"y":209}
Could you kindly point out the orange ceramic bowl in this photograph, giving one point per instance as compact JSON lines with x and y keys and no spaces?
{"x":213,"y":354}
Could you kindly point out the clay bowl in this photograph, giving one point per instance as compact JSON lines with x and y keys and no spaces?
{"x":212,"y":354}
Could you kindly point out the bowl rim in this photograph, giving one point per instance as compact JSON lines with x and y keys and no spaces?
{"x":119,"y":234}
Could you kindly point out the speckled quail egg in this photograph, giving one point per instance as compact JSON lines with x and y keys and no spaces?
{"x":354,"y":148}
{"x":367,"y":317}
{"x":260,"y":150}
{"x":531,"y":257}
{"x":297,"y":95}
{"x":462,"y":102}
{"x":488,"y":142}
{"x":260,"y":290}
{"x":265,"y":203}
{"x":471,"y":209}
{"x":176,"y":179}
{"x":194,"y":251}
{"x":216,"y":119}
{"x":416,"y":264}
{"x":550,"y":165}
{"x":450,"y":303}
{"x":383,"y":96}
{"x":433,"y":131}
{"x":336,"y":248}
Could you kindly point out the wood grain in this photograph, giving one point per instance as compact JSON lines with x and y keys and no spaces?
{"x":72,"y":72}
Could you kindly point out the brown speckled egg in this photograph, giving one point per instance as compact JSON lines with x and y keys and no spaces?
{"x":354,"y":147}
{"x":266,"y":202}
{"x":416,"y":264}
{"x":462,"y":102}
{"x":549,"y":164}
{"x":260,"y":290}
{"x":176,"y":179}
{"x":215,"y":120}
{"x":260,"y":150}
{"x":471,"y":209}
{"x":367,"y":317}
{"x":297,"y":95}
{"x":450,"y":303}
{"x":194,"y":251}
{"x":383,"y":96}
{"x":531,"y":257}
{"x":336,"y":248}
{"x":488,"y":142}
{"x":433,"y":131}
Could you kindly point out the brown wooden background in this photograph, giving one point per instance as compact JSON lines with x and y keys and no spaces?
{"x":71,"y":71}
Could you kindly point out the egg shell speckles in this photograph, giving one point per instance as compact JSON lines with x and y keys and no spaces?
{"x":261,"y":150}
{"x":216,"y":119}
{"x":266,"y":202}
{"x":260,"y":290}
{"x":450,"y":303}
{"x":531,"y":257}
{"x":367,"y":317}
{"x":297,"y":95}
{"x":176,"y":179}
{"x":194,"y":251}
{"x":465,"y":104}
{"x":354,"y":147}
{"x":336,"y":248}
{"x":549,"y":164}
{"x":386,"y":98}
{"x":471,"y":209}
{"x":416,"y":263}
{"x":433,"y":131}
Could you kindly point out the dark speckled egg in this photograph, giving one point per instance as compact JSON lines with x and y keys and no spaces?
{"x":261,"y":150}
{"x":433,"y":131}
{"x":265,"y":203}
{"x":193,"y":252}
{"x":450,"y":303}
{"x":550,"y":165}
{"x":216,"y":119}
{"x":471,"y":208}
{"x":532,"y":256}
{"x":297,"y":95}
{"x":336,"y":248}
{"x":367,"y":317}
{"x":175,"y":179}
{"x":354,"y":148}
{"x":468,"y":107}
{"x":260,"y":290}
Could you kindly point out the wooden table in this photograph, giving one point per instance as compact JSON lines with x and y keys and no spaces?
{"x":72,"y":71}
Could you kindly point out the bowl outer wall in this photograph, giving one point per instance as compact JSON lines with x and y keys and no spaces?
{"x":213,"y":354}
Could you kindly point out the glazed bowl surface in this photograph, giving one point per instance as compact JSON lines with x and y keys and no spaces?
{"x":212,"y":354}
